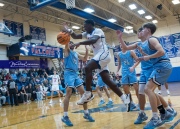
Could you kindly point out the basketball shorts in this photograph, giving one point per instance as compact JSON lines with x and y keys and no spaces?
{"x":55,"y":88}
{"x":128,"y":79}
{"x":144,"y":76}
{"x":102,"y":59}
{"x":72,"y":79}
{"x":100,"y":83}
{"x":161,"y":73}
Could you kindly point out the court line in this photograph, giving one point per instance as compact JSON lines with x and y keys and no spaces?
{"x":175,"y":124}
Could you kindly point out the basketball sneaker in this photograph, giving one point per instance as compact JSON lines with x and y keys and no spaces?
{"x":101,"y":102}
{"x":88,"y":117}
{"x":66,"y":120}
{"x":126,"y":100}
{"x":167,"y":117}
{"x":153,"y":123}
{"x":110,"y":103}
{"x":132,"y":106}
{"x":172,"y":111}
{"x":87,"y":96}
{"x":141,"y":117}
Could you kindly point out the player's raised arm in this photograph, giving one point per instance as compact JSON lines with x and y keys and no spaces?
{"x":66,"y":50}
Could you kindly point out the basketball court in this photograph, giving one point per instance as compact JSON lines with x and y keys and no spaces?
{"x":41,"y":114}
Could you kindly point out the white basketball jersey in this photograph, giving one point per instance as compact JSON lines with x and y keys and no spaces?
{"x":100,"y":45}
{"x":55,"y":79}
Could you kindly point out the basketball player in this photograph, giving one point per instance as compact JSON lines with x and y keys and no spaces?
{"x":96,"y":39}
{"x":55,"y":85}
{"x":153,"y":51}
{"x":126,"y":59}
{"x":72,"y":80}
{"x":102,"y":85}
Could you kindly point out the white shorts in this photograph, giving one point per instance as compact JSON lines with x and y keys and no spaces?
{"x":102,"y":59}
{"x":55,"y":88}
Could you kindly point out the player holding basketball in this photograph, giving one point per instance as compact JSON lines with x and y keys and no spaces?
{"x":126,"y":60}
{"x":72,"y":80}
{"x":55,"y":85}
{"x":96,"y":39}
{"x":153,"y":52}
{"x":102,"y":85}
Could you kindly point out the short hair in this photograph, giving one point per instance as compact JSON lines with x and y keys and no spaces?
{"x":89,"y":21}
{"x":150,"y":26}
{"x":140,"y":29}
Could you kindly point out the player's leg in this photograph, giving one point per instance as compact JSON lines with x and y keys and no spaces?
{"x":106,"y":79}
{"x":167,"y":89}
{"x":159,"y":89}
{"x":87,"y":115}
{"x":110,"y":102}
{"x":52,"y":92}
{"x":101,"y":102}
{"x":65,"y":117}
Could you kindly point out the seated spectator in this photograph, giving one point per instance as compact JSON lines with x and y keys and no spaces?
{"x":28,"y":93}
{"x":8,"y":76}
{"x":38,"y":93}
{"x":2,"y":99}
{"x":14,"y":77}
{"x":24,"y":74}
{"x":5,"y":92}
{"x":43,"y":90}
{"x":24,"y":95}
{"x":3,"y":71}
{"x":18,"y":95}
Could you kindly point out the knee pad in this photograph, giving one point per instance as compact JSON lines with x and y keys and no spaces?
{"x":141,"y":88}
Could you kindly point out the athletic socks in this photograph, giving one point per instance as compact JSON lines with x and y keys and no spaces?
{"x":161,"y":109}
{"x":86,"y":111}
{"x":155,"y":115}
{"x":110,"y":99}
{"x":65,"y":113}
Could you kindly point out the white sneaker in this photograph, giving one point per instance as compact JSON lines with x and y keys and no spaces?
{"x":50,"y":102}
{"x":168,"y":92}
{"x":60,"y":100}
{"x":87,"y":96}
{"x":159,"y":92}
{"x":126,"y":99}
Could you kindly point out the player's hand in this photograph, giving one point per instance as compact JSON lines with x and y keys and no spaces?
{"x":119,"y":33}
{"x":66,"y":28}
{"x":146,"y":58}
{"x":143,"y":58}
{"x":131,"y":69}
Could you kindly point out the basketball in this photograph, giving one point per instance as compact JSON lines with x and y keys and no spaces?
{"x":63,"y":38}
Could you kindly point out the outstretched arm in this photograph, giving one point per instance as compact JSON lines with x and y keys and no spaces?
{"x":124,"y":46}
{"x":66,"y":50}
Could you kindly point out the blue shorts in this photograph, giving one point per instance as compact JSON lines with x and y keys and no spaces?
{"x":144,"y":76}
{"x":100,"y":82}
{"x":71,"y":79}
{"x":161,"y":73}
{"x":128,"y":78}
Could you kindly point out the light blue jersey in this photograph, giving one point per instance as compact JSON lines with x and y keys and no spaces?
{"x":71,"y":77}
{"x":71,"y":62}
{"x":127,"y":61}
{"x":161,"y":66}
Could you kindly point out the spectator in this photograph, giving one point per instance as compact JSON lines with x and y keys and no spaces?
{"x":28,"y":93}
{"x":38,"y":93}
{"x":5,"y":92}
{"x":2,"y":98}
{"x":12,"y":91}
{"x":3,"y":71}
{"x":24,"y":95}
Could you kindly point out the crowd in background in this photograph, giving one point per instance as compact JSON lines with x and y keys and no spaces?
{"x":33,"y":84}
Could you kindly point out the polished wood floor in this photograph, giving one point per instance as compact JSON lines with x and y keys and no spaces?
{"x":41,"y":115}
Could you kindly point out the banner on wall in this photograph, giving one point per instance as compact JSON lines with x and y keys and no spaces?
{"x":15,"y":27}
{"x":116,"y":50}
{"x":37,"y":33}
{"x":168,"y":44}
{"x":176,"y":38}
{"x":31,"y":49}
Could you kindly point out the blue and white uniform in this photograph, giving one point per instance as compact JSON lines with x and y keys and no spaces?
{"x":100,"y":82}
{"x":127,"y":61}
{"x":71,"y":77}
{"x":101,"y":53}
{"x":161,"y":66}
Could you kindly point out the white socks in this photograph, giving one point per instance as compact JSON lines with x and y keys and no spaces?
{"x":65,"y":113}
{"x":86,"y":111}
